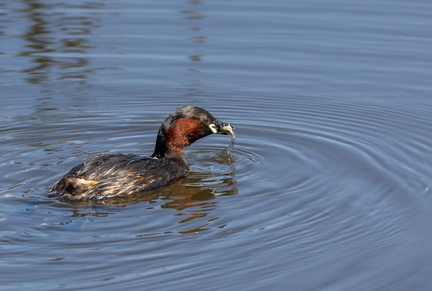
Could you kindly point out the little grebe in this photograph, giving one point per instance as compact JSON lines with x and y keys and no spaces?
{"x":120,"y":175}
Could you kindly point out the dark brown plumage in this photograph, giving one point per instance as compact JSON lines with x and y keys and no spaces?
{"x":120,"y":175}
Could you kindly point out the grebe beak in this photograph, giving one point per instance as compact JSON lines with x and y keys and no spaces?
{"x":222,"y":128}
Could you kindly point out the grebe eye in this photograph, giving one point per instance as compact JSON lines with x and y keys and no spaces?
{"x":206,"y":120}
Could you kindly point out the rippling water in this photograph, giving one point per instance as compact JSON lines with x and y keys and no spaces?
{"x":326,"y":188}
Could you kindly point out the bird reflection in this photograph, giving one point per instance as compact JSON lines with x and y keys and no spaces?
{"x":179,"y":195}
{"x":193,"y":197}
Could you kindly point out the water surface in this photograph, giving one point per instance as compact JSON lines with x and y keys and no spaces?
{"x":327,"y":186}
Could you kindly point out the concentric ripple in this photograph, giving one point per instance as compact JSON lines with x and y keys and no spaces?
{"x":338,"y":166}
{"x":310,"y":179}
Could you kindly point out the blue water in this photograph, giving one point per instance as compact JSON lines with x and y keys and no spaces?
{"x":327,"y":186}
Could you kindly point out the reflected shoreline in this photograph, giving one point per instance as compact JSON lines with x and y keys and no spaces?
{"x":57,"y":40}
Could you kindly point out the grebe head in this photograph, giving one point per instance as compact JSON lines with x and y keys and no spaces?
{"x":184,"y":126}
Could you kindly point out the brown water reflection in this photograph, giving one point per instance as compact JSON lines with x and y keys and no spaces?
{"x":196,"y":15}
{"x":56,"y":41}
